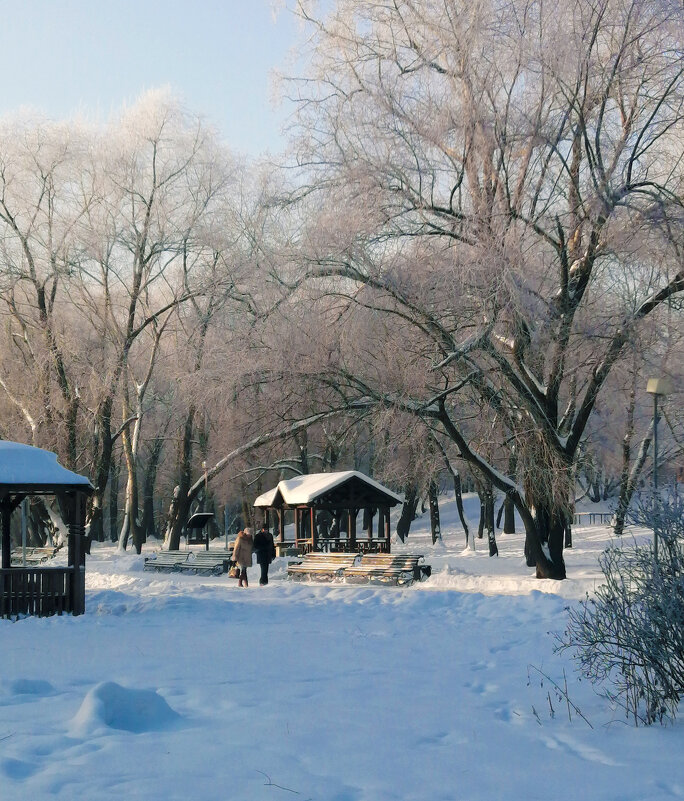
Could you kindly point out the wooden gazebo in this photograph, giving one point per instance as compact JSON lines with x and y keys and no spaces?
{"x":37,"y":590}
{"x":325,"y":507}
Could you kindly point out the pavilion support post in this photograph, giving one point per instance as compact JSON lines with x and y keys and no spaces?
{"x":351,"y":533}
{"x":6,"y":512}
{"x":312,"y":521}
{"x":298,"y":525}
{"x":387,"y":529}
{"x":281,"y":525}
{"x":76,"y":509}
{"x":381,"y":526}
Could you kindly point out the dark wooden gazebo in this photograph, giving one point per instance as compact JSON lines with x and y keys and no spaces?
{"x":37,"y":590}
{"x":325,"y":506}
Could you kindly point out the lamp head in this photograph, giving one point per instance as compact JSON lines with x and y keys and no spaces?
{"x":659,"y":386}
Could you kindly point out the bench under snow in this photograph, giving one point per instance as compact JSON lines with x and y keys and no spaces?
{"x":373,"y":568}
{"x":196,"y":562}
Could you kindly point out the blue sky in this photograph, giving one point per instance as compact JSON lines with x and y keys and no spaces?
{"x":66,"y":56}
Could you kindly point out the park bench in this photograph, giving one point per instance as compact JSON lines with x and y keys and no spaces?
{"x":34,"y":556}
{"x":218,"y":561}
{"x":321,"y":566}
{"x":196,"y":562}
{"x":384,"y":568}
{"x":165,"y":561}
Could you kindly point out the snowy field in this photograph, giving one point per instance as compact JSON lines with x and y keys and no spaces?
{"x":184,"y":687}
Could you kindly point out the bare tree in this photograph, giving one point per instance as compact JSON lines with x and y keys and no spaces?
{"x":485,"y":173}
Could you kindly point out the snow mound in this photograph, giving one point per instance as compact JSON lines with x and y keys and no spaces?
{"x":109,"y":705}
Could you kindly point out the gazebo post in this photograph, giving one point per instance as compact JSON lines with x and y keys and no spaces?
{"x":381,"y":526}
{"x":387,"y":528}
{"x":6,"y":511}
{"x":76,"y":507}
{"x":351,"y":533}
{"x":281,"y":525}
{"x":313,"y":529}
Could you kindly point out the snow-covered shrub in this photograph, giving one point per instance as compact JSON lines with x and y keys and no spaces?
{"x":629,"y":638}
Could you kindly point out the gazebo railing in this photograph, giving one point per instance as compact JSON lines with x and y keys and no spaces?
{"x":41,"y":591}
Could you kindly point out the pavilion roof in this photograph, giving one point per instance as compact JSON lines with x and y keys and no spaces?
{"x":24,"y":468}
{"x":305,"y":490}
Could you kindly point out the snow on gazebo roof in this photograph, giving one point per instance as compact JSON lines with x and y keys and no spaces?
{"x":306,"y":489}
{"x":25,"y":468}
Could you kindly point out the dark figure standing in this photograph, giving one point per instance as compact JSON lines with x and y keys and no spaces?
{"x":265,"y":552}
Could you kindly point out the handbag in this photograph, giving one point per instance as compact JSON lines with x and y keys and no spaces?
{"x":234,"y":571}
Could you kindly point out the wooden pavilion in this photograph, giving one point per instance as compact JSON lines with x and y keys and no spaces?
{"x":325,"y":507}
{"x":37,"y":590}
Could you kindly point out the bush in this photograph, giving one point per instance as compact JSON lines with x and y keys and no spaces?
{"x":629,"y":638}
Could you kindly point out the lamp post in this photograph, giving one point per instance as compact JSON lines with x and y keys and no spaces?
{"x":658,"y":387}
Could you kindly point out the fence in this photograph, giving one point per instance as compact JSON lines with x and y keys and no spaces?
{"x":42,"y":591}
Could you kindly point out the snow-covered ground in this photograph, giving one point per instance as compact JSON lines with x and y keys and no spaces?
{"x":183,"y":687}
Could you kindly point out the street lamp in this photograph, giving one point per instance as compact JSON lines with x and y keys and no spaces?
{"x":658,"y":387}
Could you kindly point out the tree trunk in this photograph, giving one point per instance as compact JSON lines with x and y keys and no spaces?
{"x":180,"y":505}
{"x":629,"y":482}
{"x":114,"y":499}
{"x":509,"y":516}
{"x":130,"y":525}
{"x":408,"y":512}
{"x":148,"y":528}
{"x":546,"y":533}
{"x":459,"y":503}
{"x":102,"y":450}
{"x":489,"y":519}
{"x":508,"y":505}
{"x":435,"y":529}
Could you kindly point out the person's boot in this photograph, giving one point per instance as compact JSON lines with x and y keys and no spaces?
{"x":245,"y":584}
{"x":239,"y":582}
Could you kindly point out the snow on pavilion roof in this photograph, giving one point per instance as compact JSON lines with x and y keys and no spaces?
{"x":26,"y":467}
{"x":306,"y":489}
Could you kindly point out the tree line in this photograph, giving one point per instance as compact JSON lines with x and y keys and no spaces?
{"x":469,"y":265}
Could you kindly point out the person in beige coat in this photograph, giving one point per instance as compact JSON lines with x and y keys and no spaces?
{"x":242,"y":554}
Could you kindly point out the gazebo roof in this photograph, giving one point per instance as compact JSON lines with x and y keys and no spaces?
{"x":24,"y":468}
{"x":331,"y":487}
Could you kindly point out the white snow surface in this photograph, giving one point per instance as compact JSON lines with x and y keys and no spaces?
{"x":190,"y":688}
{"x":304,"y":489}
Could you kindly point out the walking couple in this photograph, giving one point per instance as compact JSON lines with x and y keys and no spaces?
{"x":245,"y":544}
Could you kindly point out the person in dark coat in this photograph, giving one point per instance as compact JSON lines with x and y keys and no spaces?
{"x":264,"y":548}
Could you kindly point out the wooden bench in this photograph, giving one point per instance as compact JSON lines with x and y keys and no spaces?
{"x":321,"y":566}
{"x":165,"y":561}
{"x":212,"y":563}
{"x":34,"y":556}
{"x":385,"y":568}
{"x":218,"y":561}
